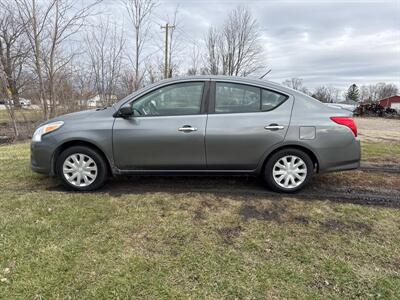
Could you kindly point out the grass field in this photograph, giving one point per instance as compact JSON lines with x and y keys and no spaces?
{"x":56,"y":244}
{"x":384,"y":152}
{"x":23,"y":115}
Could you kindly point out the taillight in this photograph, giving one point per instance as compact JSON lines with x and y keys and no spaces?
{"x":346,"y":121}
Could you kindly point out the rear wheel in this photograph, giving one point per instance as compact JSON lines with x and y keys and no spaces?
{"x":82,"y":168}
{"x":288,"y":170}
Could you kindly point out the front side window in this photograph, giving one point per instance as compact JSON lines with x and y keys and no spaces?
{"x":177,"y":99}
{"x":240,"y":98}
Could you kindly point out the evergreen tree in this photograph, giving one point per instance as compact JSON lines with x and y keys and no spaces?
{"x":353,"y":93}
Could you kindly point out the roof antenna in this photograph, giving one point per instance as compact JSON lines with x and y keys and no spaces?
{"x":269,"y":71}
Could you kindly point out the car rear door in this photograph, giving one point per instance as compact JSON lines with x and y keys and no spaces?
{"x":169,"y":134}
{"x":244,"y":122}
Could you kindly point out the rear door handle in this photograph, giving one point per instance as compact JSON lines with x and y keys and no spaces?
{"x":273,"y":127}
{"x":187,"y":128}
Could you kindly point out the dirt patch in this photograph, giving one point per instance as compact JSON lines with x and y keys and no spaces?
{"x":199,"y":214}
{"x":207,"y":204}
{"x":273,"y":213}
{"x":379,"y":167}
{"x":337,"y":225}
{"x":357,"y":187}
{"x":395,"y":265}
{"x":378,"y":129}
{"x":177,"y":239}
{"x":303,"y":220}
{"x":359,"y":179}
{"x":228,"y":234}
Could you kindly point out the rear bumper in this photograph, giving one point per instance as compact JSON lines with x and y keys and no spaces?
{"x":347,"y":158}
{"x":342,"y":167}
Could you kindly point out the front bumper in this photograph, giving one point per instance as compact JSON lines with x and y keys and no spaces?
{"x":41,"y":157}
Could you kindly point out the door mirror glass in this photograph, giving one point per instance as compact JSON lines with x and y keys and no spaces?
{"x":125,"y":111}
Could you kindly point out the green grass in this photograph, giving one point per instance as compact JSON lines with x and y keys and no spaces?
{"x":22,"y":115}
{"x":115,"y":244}
{"x":382,"y":151}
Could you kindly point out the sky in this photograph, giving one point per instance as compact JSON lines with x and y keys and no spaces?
{"x":334,"y":43}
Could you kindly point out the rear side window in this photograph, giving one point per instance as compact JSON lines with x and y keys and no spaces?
{"x":240,"y":98}
{"x":236,"y":98}
{"x":271,"y":99}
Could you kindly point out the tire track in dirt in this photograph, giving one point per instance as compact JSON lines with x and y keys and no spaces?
{"x":242,"y":188}
{"x":351,"y":195}
{"x":371,"y":167}
{"x":255,"y":189}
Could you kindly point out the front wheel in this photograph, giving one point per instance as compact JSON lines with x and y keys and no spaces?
{"x":288,"y":170}
{"x":82,"y":168}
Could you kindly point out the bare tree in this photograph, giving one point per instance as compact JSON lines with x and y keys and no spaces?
{"x":13,"y":55}
{"x":66,"y":20}
{"x":326,"y":94}
{"x":9,"y":103}
{"x":235,"y":49}
{"x":295,"y":83}
{"x":376,"y":92}
{"x":127,"y":81}
{"x":139,"y":12}
{"x":13,"y":48}
{"x":195,"y":59}
{"x":48,"y":26}
{"x":155,"y":69}
{"x":35,"y":19}
{"x":213,"y":56}
{"x":105,"y":47}
{"x":83,"y":80}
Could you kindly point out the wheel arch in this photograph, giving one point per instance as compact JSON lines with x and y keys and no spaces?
{"x":303,"y":148}
{"x":83,"y":143}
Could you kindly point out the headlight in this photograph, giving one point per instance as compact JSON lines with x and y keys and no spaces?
{"x":42,"y":130}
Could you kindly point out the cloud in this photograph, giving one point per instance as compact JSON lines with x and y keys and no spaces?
{"x":323,"y":42}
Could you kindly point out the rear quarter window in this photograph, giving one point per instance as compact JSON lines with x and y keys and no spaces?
{"x":242,"y":98}
{"x":271,"y":99}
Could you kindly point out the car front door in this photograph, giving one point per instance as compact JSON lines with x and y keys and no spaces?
{"x":167,"y":130}
{"x":244,"y":122}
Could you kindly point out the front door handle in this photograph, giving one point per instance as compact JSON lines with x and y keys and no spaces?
{"x":187,"y":128}
{"x":273,"y":127}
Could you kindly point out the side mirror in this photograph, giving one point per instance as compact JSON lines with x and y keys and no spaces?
{"x":125,"y":111}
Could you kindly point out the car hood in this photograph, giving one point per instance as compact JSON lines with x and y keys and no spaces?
{"x":84,"y":114}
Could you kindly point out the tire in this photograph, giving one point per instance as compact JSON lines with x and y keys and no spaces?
{"x":91,"y":165}
{"x":305,"y":170}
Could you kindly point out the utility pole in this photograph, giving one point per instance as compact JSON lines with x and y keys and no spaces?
{"x":166,"y":27}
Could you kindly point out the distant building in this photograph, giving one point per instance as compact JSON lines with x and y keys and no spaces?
{"x":96,"y":101}
{"x":24,"y":102}
{"x":392,"y":102}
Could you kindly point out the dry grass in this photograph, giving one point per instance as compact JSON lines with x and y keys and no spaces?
{"x":164,"y":245}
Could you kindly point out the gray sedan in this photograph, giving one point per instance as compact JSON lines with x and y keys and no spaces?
{"x":200,"y":125}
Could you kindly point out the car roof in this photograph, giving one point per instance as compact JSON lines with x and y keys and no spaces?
{"x":248,"y":80}
{"x":235,"y":79}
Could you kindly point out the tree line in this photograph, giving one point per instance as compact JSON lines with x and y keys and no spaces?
{"x":59,"y":53}
{"x":329,"y":94}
